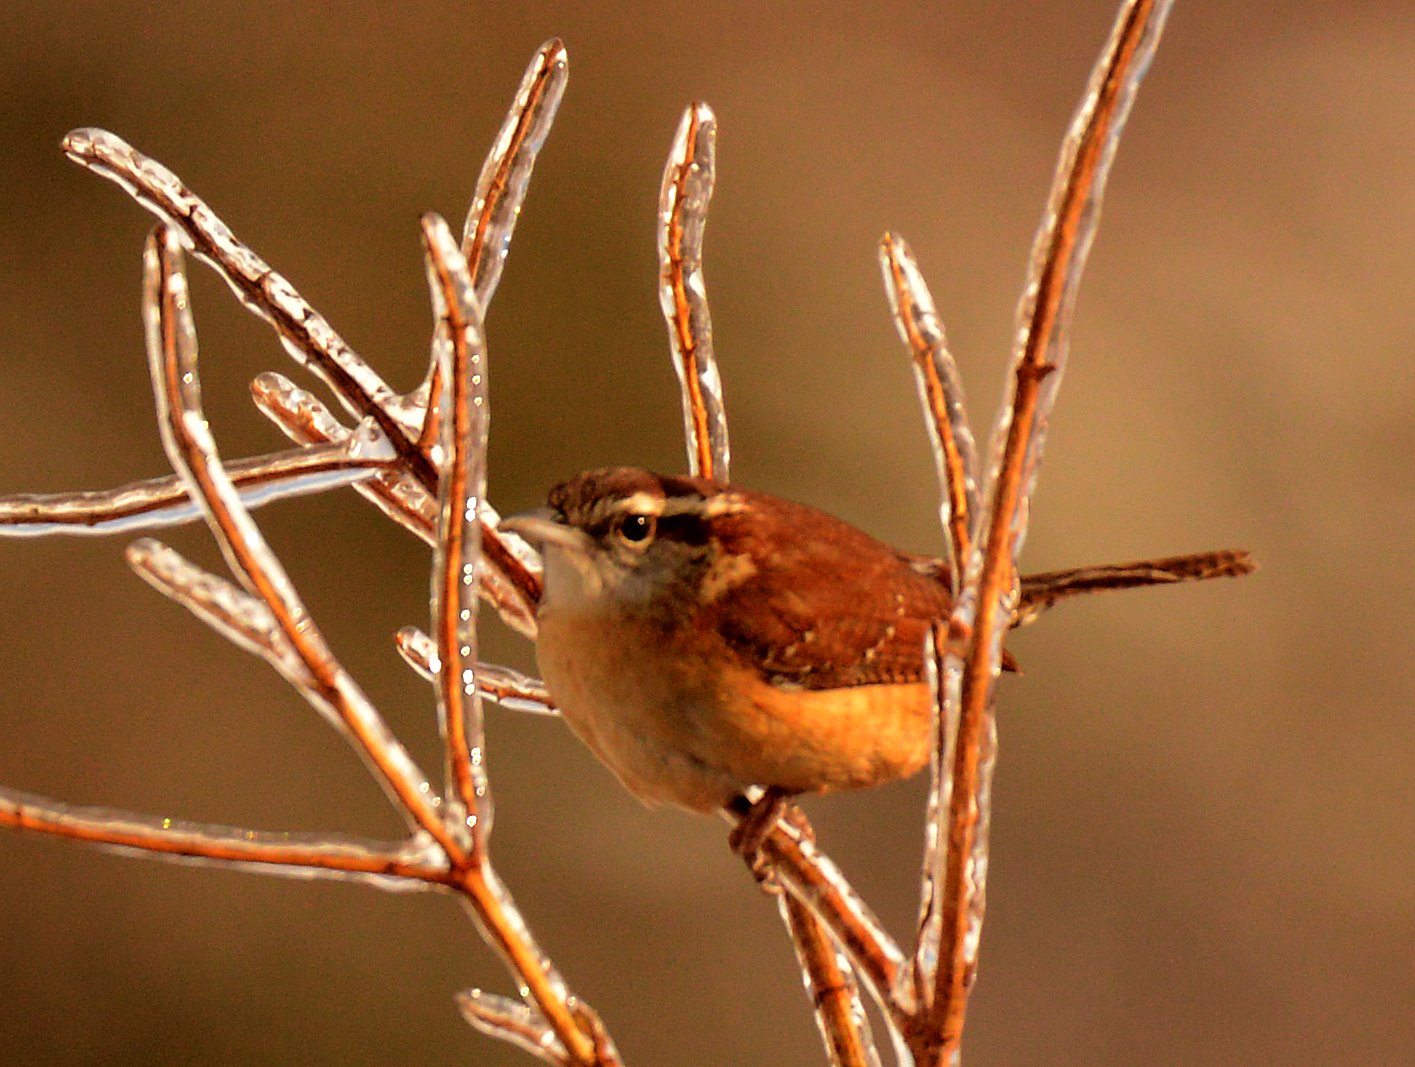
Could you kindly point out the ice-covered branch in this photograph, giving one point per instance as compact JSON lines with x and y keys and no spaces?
{"x":682,"y":293}
{"x":940,"y":392}
{"x":158,"y":502}
{"x":303,"y":332}
{"x":830,"y":983}
{"x":172,"y":356}
{"x":387,"y":866}
{"x":461,"y":355}
{"x":512,"y":1021}
{"x":500,"y":192}
{"x":509,"y":688}
{"x":985,"y":607}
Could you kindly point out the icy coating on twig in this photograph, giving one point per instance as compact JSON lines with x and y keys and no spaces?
{"x":303,"y":332}
{"x":460,"y":352}
{"x":289,"y":855}
{"x":507,"y":687}
{"x":940,"y":392}
{"x":506,"y":174}
{"x":682,"y":293}
{"x":186,"y":437}
{"x":512,"y":1021}
{"x":830,"y":983}
{"x":985,"y":606}
{"x":157,"y":502}
{"x":500,"y":192}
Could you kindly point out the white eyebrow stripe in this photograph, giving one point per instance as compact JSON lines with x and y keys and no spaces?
{"x":641,"y":503}
{"x":723,"y":504}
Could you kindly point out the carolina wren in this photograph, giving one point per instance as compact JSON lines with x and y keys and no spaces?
{"x":703,"y":639}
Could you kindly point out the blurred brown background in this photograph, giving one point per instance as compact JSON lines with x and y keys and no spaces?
{"x":1203,"y":844}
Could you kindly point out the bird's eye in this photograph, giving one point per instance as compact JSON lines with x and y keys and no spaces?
{"x":636,"y":529}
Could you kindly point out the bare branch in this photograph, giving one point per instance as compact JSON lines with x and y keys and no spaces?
{"x":509,"y":688}
{"x":460,"y":350}
{"x":988,"y":598}
{"x":941,"y":393}
{"x":172,"y":354}
{"x":512,"y":1021}
{"x":291,"y":855}
{"x":501,"y":190}
{"x":830,"y":983}
{"x":158,"y":502}
{"x":682,"y":215}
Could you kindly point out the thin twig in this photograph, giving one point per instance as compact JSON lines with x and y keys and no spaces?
{"x":172,"y":355}
{"x":388,"y":866}
{"x":501,"y":190}
{"x":805,"y":871}
{"x":242,"y":619}
{"x":512,"y":1021}
{"x":460,"y":350}
{"x":303,"y":332}
{"x":830,"y":983}
{"x":985,"y":607}
{"x":507,"y":687}
{"x":940,"y":392}
{"x":464,"y":422}
{"x":157,"y":502}
{"x":302,"y":417}
{"x":682,"y":215}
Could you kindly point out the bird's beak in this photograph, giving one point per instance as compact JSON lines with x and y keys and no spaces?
{"x":541,"y":530}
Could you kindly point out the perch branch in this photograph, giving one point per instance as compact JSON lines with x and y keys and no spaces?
{"x":684,"y":198}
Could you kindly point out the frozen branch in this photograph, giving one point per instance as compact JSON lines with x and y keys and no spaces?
{"x":682,"y":293}
{"x":985,"y":607}
{"x":291,"y":855}
{"x":302,"y":417}
{"x":460,"y":350}
{"x":514,"y":1022}
{"x":303,"y":332}
{"x":830,"y":983}
{"x":941,"y":393}
{"x":509,"y":688}
{"x":500,"y":192}
{"x":172,"y":355}
{"x":158,"y":502}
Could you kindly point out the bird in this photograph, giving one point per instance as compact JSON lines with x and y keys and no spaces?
{"x":707,"y":641}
